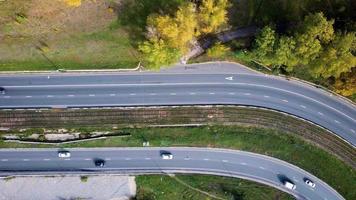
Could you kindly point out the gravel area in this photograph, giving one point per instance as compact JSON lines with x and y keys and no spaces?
{"x":106,"y":187}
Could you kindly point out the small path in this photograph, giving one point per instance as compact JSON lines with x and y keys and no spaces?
{"x":210,"y":68}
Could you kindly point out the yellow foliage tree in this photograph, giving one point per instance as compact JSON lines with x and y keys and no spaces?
{"x":213,"y":15}
{"x":73,"y":3}
{"x":176,"y":31}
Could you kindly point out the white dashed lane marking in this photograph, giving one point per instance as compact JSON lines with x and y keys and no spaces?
{"x":225,"y":160}
{"x":231,"y":93}
{"x":70,"y":95}
{"x":127,"y":158}
{"x":4,"y":160}
{"x":247,"y":94}
{"x":147,"y":158}
{"x":320,"y":113}
{"x":49,"y":96}
{"x":173,"y":94}
{"x":192,"y":93}
{"x":46,"y":159}
{"x":352,"y":130}
{"x":28,"y":96}
{"x":303,"y":106}
{"x":212,"y":93}
{"x":112,"y":95}
{"x":87,"y":159}
{"x":336,"y":121}
{"x":132,"y":94}
{"x":152,"y":94}
{"x":26,"y":159}
{"x":243,"y":163}
{"x":6,"y":96}
{"x":92,"y":95}
{"x":265,"y":96}
{"x":206,"y":158}
{"x":285,"y":100}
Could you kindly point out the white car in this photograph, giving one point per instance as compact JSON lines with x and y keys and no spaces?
{"x":289,"y":185}
{"x":309,"y":182}
{"x":166,"y":156}
{"x":64,"y":154}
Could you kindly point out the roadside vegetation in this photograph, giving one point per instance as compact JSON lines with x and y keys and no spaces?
{"x":202,"y":187}
{"x":264,"y":141}
{"x":311,"y":40}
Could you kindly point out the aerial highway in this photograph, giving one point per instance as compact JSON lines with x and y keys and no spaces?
{"x":71,"y":90}
{"x":255,"y":167}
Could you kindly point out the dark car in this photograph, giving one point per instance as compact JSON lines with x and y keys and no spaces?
{"x":2,"y":90}
{"x":99,"y":162}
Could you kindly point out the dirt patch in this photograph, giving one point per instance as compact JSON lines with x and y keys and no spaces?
{"x":69,"y":187}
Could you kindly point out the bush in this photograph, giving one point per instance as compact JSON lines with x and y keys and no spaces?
{"x":218,"y":50}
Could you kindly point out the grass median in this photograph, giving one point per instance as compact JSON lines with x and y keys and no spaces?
{"x":264,"y":141}
{"x":203,"y":187}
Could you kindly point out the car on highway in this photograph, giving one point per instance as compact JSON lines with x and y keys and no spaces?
{"x":290,"y":185}
{"x":309,"y":182}
{"x":286,"y":181}
{"x":99,"y":162}
{"x":2,"y":90}
{"x":64,"y":154}
{"x":165,"y":155}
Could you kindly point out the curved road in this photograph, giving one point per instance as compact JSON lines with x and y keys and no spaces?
{"x":167,"y":88}
{"x":223,"y":162}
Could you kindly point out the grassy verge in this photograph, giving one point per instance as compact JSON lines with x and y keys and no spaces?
{"x":265,"y":141}
{"x":189,"y":187}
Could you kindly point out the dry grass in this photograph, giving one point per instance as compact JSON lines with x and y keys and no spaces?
{"x":71,"y":37}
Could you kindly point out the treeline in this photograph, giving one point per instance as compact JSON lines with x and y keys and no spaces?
{"x":312,"y":39}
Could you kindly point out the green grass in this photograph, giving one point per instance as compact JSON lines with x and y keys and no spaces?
{"x":159,"y":187}
{"x":106,"y":49}
{"x":264,"y":141}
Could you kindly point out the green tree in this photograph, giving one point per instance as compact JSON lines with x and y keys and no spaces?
{"x":217,"y":51}
{"x":157,"y":53}
{"x":284,"y":54}
{"x":315,"y":32}
{"x":264,"y":43}
{"x":336,"y":58}
{"x":213,"y":15}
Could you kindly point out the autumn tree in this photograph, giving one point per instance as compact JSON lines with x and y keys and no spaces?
{"x":73,"y":3}
{"x":176,"y":33}
{"x":345,"y":84}
{"x":213,"y":15}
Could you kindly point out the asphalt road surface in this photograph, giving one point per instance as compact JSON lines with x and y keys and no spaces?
{"x":138,"y":89}
{"x":260,"y":168}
